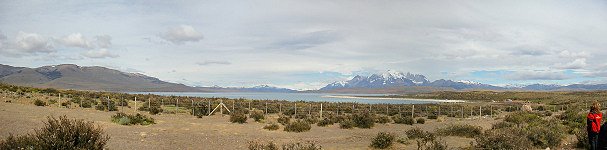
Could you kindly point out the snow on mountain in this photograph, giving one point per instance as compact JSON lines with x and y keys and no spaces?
{"x":469,"y":82}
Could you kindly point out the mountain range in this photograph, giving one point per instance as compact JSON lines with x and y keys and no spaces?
{"x":70,"y":76}
{"x":394,"y":79}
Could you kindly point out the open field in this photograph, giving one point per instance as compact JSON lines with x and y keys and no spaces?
{"x":183,"y":124}
{"x":176,"y":131}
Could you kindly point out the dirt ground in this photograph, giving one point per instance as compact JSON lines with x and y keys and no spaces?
{"x":182,"y":131}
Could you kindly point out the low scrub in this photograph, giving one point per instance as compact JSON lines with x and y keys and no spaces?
{"x":421,"y":120}
{"x":324,"y":122}
{"x":257,"y":115}
{"x":39,"y":103}
{"x":363,"y":120}
{"x":238,"y":117}
{"x":382,"y":140}
{"x":128,"y":119}
{"x":382,"y":119}
{"x":417,"y":133}
{"x":398,"y":119}
{"x":284,"y":120}
{"x":347,"y":124}
{"x":271,"y":126}
{"x":298,"y":126}
{"x":255,"y":145}
{"x":60,"y":133}
{"x":432,"y":117}
{"x":504,"y":138}
{"x":462,"y":130}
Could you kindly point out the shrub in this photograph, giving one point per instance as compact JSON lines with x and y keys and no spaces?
{"x":104,"y":106}
{"x":383,"y":119}
{"x":128,"y":119}
{"x":463,"y":130}
{"x":311,"y":120}
{"x":416,"y":133}
{"x":382,"y":140}
{"x":272,"y":126}
{"x":500,"y":125}
{"x":298,"y":126}
{"x":300,"y":146}
{"x":238,"y":117}
{"x":87,"y":103}
{"x":254,"y":145}
{"x":257,"y":115}
{"x":504,"y":138}
{"x":363,"y":120}
{"x":154,"y":110}
{"x":347,"y":124}
{"x":403,"y":120}
{"x":432,"y":117}
{"x":324,"y":122}
{"x":284,"y":120}
{"x":421,"y":120}
{"x":39,"y":103}
{"x":582,"y":139}
{"x":522,"y":117}
{"x":60,"y":133}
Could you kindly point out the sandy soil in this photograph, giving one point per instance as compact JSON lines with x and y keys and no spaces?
{"x":181,"y":131}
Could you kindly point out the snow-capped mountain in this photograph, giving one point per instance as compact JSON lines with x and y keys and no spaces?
{"x":393,"y":78}
{"x":259,"y":88}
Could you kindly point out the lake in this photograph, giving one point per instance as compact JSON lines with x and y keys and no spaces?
{"x":313,"y":97}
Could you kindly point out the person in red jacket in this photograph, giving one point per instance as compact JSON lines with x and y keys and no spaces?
{"x":593,"y":124}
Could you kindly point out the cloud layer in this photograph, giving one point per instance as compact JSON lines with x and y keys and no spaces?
{"x":305,"y":44}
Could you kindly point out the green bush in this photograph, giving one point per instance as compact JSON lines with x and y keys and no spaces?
{"x":503,"y":138}
{"x":500,"y":125}
{"x":154,"y":110}
{"x":298,"y":126}
{"x":301,"y":146}
{"x":238,"y":117}
{"x":60,"y":133}
{"x":416,"y":133}
{"x":403,"y":120}
{"x":86,"y":103}
{"x":254,"y":145}
{"x":284,"y":120}
{"x":347,"y":124}
{"x":257,"y":115}
{"x":421,"y":120}
{"x":382,"y":140}
{"x":382,"y":119}
{"x":363,"y":120}
{"x":128,"y":119}
{"x":271,"y":126}
{"x":324,"y":122}
{"x":39,"y":103}
{"x":104,"y":106}
{"x":463,"y":130}
{"x":522,"y":117}
{"x":311,"y":119}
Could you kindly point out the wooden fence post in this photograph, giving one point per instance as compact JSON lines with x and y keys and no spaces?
{"x":412,"y":111}
{"x":320,"y":110}
{"x":266,"y":108}
{"x":295,"y":109}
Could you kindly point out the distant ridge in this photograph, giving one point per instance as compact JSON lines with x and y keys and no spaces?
{"x":70,"y":76}
{"x":406,"y":82}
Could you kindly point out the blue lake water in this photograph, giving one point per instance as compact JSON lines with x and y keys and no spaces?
{"x":314,"y":97}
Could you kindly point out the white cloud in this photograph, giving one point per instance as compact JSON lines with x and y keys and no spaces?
{"x":579,"y":63}
{"x":75,"y":40}
{"x":33,"y":43}
{"x":568,"y":54}
{"x":213,"y":62}
{"x":101,"y":53}
{"x":182,"y":34}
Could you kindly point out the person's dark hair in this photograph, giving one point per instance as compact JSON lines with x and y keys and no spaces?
{"x":595,"y":108}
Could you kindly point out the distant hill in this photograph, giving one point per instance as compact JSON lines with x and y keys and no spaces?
{"x":69,"y":76}
{"x":260,"y":88}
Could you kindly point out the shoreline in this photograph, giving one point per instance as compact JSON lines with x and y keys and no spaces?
{"x":390,"y":98}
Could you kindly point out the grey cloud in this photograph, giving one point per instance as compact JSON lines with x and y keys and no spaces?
{"x":181,"y":34}
{"x":33,"y":43}
{"x":307,"y":40}
{"x":103,"y":41}
{"x":75,"y":40}
{"x":212,"y":62}
{"x":579,"y":63}
{"x":537,"y":75}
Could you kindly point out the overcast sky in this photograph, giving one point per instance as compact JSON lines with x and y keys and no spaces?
{"x":307,"y":44}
